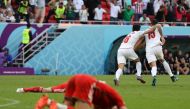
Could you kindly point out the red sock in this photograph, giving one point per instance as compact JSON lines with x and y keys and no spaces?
{"x":33,"y":89}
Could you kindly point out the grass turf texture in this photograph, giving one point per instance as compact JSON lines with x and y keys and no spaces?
{"x":166,"y":95}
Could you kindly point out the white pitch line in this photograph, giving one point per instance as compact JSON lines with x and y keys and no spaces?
{"x":10,"y":102}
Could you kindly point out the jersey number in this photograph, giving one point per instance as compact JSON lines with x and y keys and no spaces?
{"x":126,"y":39}
{"x":151,"y":35}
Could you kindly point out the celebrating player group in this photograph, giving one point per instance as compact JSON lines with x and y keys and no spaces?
{"x":154,"y":41}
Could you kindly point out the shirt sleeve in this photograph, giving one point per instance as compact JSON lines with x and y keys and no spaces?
{"x":141,"y":33}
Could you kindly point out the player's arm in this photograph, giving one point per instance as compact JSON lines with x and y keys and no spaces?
{"x":159,"y":27}
{"x":152,"y":29}
{"x":163,"y":40}
{"x":140,"y":44}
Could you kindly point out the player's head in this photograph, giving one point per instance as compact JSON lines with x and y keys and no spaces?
{"x":154,"y":22}
{"x":136,"y":27}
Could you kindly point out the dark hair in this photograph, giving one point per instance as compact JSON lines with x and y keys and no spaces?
{"x":129,"y":6}
{"x":61,"y":3}
{"x":154,"y":22}
{"x":136,"y":27}
{"x":144,"y":12}
{"x":28,"y":25}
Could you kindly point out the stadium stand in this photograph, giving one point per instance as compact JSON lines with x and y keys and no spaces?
{"x":179,"y":10}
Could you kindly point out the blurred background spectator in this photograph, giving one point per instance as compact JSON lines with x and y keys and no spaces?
{"x":59,"y":12}
{"x":114,"y":11}
{"x":91,"y":5}
{"x":157,"y":4}
{"x":99,"y":13}
{"x":144,"y":19}
{"x":10,"y":17}
{"x":23,"y":15}
{"x":139,"y":6}
{"x":7,"y":58}
{"x":128,"y":14}
{"x":40,"y":11}
{"x":2,"y":14}
{"x":69,"y":12}
{"x":83,"y":15}
{"x":78,"y":5}
{"x":160,"y":17}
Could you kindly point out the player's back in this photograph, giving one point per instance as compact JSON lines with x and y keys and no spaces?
{"x":130,"y":40}
{"x":152,"y":39}
{"x":105,"y":97}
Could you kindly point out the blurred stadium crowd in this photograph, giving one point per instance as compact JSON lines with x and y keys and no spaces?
{"x":52,"y":11}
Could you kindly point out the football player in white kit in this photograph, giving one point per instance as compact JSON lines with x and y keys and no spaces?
{"x":126,"y":51}
{"x":154,"y":42}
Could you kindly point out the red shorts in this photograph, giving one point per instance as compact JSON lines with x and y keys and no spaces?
{"x":59,"y":88}
{"x":81,"y":86}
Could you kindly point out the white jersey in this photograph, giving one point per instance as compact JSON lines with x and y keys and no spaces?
{"x":152,"y":39}
{"x":130,"y":40}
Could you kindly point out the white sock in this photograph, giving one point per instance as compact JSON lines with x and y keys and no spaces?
{"x":49,"y":101}
{"x":118,"y":73}
{"x":154,"y":71}
{"x":138,"y":67}
{"x":177,"y":72}
{"x":167,"y":68}
{"x":61,"y":106}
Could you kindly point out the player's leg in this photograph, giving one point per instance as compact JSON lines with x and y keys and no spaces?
{"x":133,"y":56}
{"x":168,"y":70}
{"x":139,"y":70}
{"x":153,"y":72}
{"x":151,"y":58}
{"x":29,"y":89}
{"x":59,"y":88}
{"x":121,"y":63}
{"x":34,"y":89}
{"x":160,"y":56}
{"x":118,"y":73}
{"x":44,"y":101}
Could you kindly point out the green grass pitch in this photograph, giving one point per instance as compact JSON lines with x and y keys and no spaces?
{"x":166,"y":95}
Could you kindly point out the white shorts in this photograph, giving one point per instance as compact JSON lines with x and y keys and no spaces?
{"x":124,"y":54}
{"x":154,"y":53}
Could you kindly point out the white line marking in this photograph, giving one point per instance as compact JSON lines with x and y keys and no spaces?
{"x":10,"y":102}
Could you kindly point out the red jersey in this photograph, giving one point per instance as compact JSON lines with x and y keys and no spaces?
{"x":105,"y":97}
{"x":81,"y":86}
{"x":88,"y":89}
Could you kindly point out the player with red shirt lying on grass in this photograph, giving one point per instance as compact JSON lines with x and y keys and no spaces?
{"x":85,"y":92}
{"x":54,"y":89}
